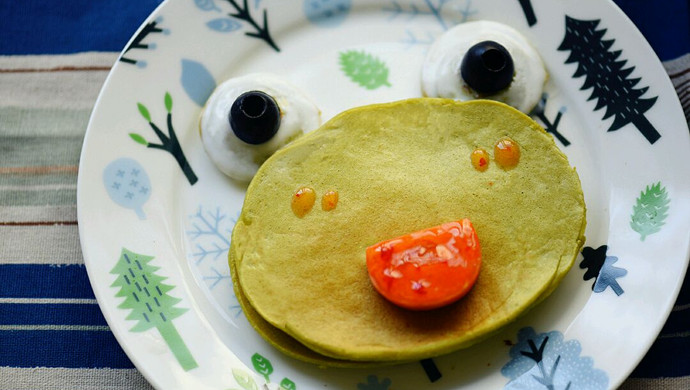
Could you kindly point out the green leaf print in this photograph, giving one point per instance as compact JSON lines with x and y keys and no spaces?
{"x":144,"y":112}
{"x":262,"y":365}
{"x":138,"y":139}
{"x":244,"y":379}
{"x":287,"y":384}
{"x":147,"y":298}
{"x":364,"y":69}
{"x":650,"y":210}
{"x":168,"y":101}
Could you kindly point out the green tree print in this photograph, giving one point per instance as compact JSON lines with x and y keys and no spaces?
{"x":151,"y":306}
{"x":364,"y":69}
{"x":650,"y":210}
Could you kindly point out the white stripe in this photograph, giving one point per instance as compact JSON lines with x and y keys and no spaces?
{"x":40,"y":187}
{"x":44,"y":301}
{"x":52,"y":61}
{"x":55,"y":244}
{"x":60,"y":90}
{"x":681,"y":307}
{"x":71,"y":378}
{"x":38,"y":213}
{"x":57,"y":327}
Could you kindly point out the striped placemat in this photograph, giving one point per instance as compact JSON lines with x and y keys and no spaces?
{"x":54,"y":59}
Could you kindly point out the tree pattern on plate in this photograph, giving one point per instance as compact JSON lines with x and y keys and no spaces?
{"x":151,"y":306}
{"x":431,"y":370}
{"x":327,"y":13}
{"x":244,"y":379}
{"x":600,"y":268}
{"x":551,"y":126}
{"x":606,"y":74}
{"x":650,"y":210}
{"x":364,"y":69}
{"x":197,"y":81}
{"x":138,"y":42}
{"x":208,"y":231}
{"x":528,"y":10}
{"x":169,"y":142}
{"x":547,"y":361}
{"x":374,"y":383}
{"x":431,"y":8}
{"x":127,"y":184}
{"x":264,"y":367}
{"x":446,"y":13}
{"x":240,"y":13}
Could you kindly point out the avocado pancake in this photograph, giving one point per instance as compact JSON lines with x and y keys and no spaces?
{"x":398,"y":168}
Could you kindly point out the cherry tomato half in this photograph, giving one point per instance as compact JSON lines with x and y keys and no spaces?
{"x":426,"y":269}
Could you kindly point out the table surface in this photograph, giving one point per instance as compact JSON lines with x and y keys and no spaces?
{"x":54,"y":58}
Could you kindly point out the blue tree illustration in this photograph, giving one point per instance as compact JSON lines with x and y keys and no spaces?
{"x":373,"y":383}
{"x":600,"y":267}
{"x":209,"y":230}
{"x":414,"y":39}
{"x":547,"y":361}
{"x":431,"y":8}
{"x":211,"y":235}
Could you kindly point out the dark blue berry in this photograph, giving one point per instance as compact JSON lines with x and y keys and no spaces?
{"x":487,"y":67}
{"x":254,"y":117}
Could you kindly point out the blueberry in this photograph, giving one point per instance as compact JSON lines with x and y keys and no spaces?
{"x":487,"y":67}
{"x":254,"y":117}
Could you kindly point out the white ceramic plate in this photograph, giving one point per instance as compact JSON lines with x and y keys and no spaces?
{"x":141,"y":220}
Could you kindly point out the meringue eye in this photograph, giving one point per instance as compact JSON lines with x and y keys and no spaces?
{"x":247,"y":118}
{"x":484,"y":59}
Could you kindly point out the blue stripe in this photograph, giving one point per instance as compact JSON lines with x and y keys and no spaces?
{"x":51,"y":314}
{"x":44,"y":281}
{"x":70,"y":349}
{"x":666,"y":27}
{"x":56,"y":27}
{"x":684,"y":294}
{"x":668,"y":357}
{"x":678,"y":321}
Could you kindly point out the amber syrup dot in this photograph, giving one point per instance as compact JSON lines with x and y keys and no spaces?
{"x":506,"y":153}
{"x":480,"y":159}
{"x":303,"y":200}
{"x":329,"y":200}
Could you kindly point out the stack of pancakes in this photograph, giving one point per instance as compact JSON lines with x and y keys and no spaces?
{"x":398,"y":168}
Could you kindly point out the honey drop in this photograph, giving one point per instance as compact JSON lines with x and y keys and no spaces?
{"x":302,"y":201}
{"x":329,"y":200}
{"x":507,"y":153}
{"x":480,"y":159}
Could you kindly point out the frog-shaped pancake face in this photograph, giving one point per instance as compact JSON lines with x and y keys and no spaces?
{"x":398,"y":168}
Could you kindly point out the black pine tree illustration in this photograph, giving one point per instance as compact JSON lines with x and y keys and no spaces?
{"x":608,"y":77}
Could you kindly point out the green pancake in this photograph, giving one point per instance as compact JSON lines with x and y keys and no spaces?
{"x":402,"y":167}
